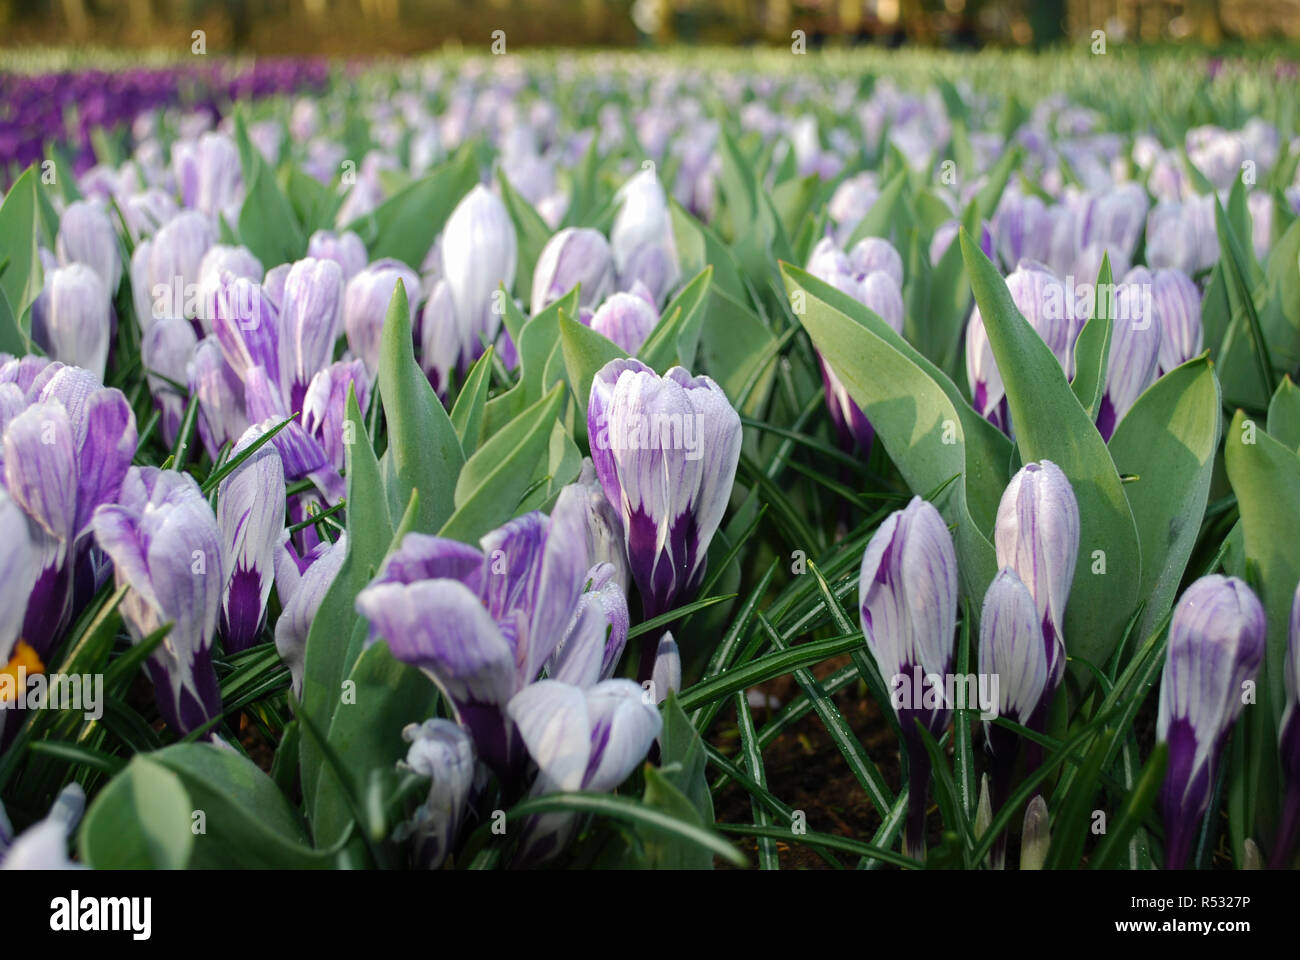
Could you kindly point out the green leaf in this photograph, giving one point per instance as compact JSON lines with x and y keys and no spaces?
{"x":423,"y":447}
{"x":1070,"y":829}
{"x":20,"y":225}
{"x":672,"y":851}
{"x":1051,"y":424}
{"x":267,"y":223}
{"x":495,"y":478}
{"x":1092,"y":349}
{"x":141,"y":820}
{"x":1284,"y":415}
{"x":585,"y":352}
{"x":879,"y":221}
{"x":366,"y":733}
{"x":1139,"y":804}
{"x":467,"y":414}
{"x":1167,"y":442}
{"x":675,"y":338}
{"x":531,"y":231}
{"x":914,"y":408}
{"x":404,"y":226}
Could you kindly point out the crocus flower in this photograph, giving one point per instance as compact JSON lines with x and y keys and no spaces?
{"x":250,"y":517}
{"x":604,"y":527}
{"x":345,"y":249}
{"x":1022,"y":227}
{"x":1288,"y":739}
{"x":665,"y":450}
{"x":851,"y":201}
{"x":1177,"y":305}
{"x":75,"y":318}
{"x":479,"y":257}
{"x":65,"y":453}
{"x":627,"y":319}
{"x":667,"y":674}
{"x":221,"y":396}
{"x":576,"y":256}
{"x":1036,"y":534}
{"x":147,"y":211}
{"x":482,"y":622}
{"x":907,"y":594}
{"x":166,"y":547}
{"x":44,"y":845}
{"x":301,"y":583}
{"x":208,"y":174}
{"x":86,"y":236}
{"x":217,"y":263}
{"x":324,"y":407}
{"x":597,"y":632}
{"x":1041,"y":299}
{"x":1216,"y":644}
{"x":946,"y":233}
{"x":18,"y":566}
{"x":1134,"y":350}
{"x":642,"y":237}
{"x":365,"y":305}
{"x":166,"y":352}
{"x":1182,"y":236}
{"x":1011,"y":649}
{"x":166,"y":267}
{"x":443,"y":752}
{"x":580,"y":740}
{"x":311,"y":317}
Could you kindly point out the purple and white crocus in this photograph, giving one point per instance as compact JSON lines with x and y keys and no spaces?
{"x":907,"y":595}
{"x":166,"y":548}
{"x":665,"y":450}
{"x":1216,"y":645}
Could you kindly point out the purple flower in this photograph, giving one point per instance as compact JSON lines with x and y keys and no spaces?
{"x":947,"y":233}
{"x":642,"y":237}
{"x":580,"y":740}
{"x":221,"y":396}
{"x":907,"y":593}
{"x":1134,"y":350}
{"x":165,"y":270}
{"x":665,"y":450}
{"x":482,"y":622}
{"x":86,"y":236}
{"x":164,"y":543}
{"x":311,"y":318}
{"x":250,"y":517}
{"x":479,"y":256}
{"x":1177,"y":305}
{"x":67,"y":444}
{"x":44,"y":845}
{"x":73,"y":318}
{"x":576,"y":256}
{"x":1216,"y":644}
{"x":301,"y":584}
{"x":345,"y":249}
{"x":1036,"y":534}
{"x":324,"y":407}
{"x":443,"y":752}
{"x":366,"y":302}
{"x":627,"y":319}
{"x":166,"y":352}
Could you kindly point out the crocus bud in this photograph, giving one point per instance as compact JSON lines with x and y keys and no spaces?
{"x":301,"y":584}
{"x":250,"y":516}
{"x":146,"y":212}
{"x":311,"y":316}
{"x":166,"y":353}
{"x":597,"y":634}
{"x":222,"y":418}
{"x":1036,"y":835}
{"x":604,"y":528}
{"x":1134,"y":350}
{"x":667,"y":676}
{"x":365,"y":305}
{"x":440,"y":347}
{"x":175,"y":260}
{"x":222,"y":260}
{"x":443,"y":752}
{"x":882,"y":294}
{"x":1023,"y":228}
{"x":627,"y":319}
{"x":665,"y":450}
{"x":210,"y":181}
{"x":988,"y":392}
{"x":44,"y":845}
{"x":1036,"y":534}
{"x":642,"y":237}
{"x":1177,"y":305}
{"x":576,"y":256}
{"x":851,"y":201}
{"x":86,"y":236}
{"x":871,"y":254}
{"x":1182,"y":236}
{"x":164,"y":543}
{"x":1216,"y":644}
{"x":586,"y":740}
{"x":345,"y":249}
{"x":907,"y":595}
{"x":324,"y":408}
{"x":1288,"y":740}
{"x":479,"y":257}
{"x":946,"y":233}
{"x":77,"y":318}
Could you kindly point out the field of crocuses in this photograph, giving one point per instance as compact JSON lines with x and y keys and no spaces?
{"x":876,"y":460}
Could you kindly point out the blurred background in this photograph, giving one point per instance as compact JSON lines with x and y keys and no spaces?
{"x":363,"y":27}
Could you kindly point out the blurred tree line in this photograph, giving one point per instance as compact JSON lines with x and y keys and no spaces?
{"x":404,"y":26}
